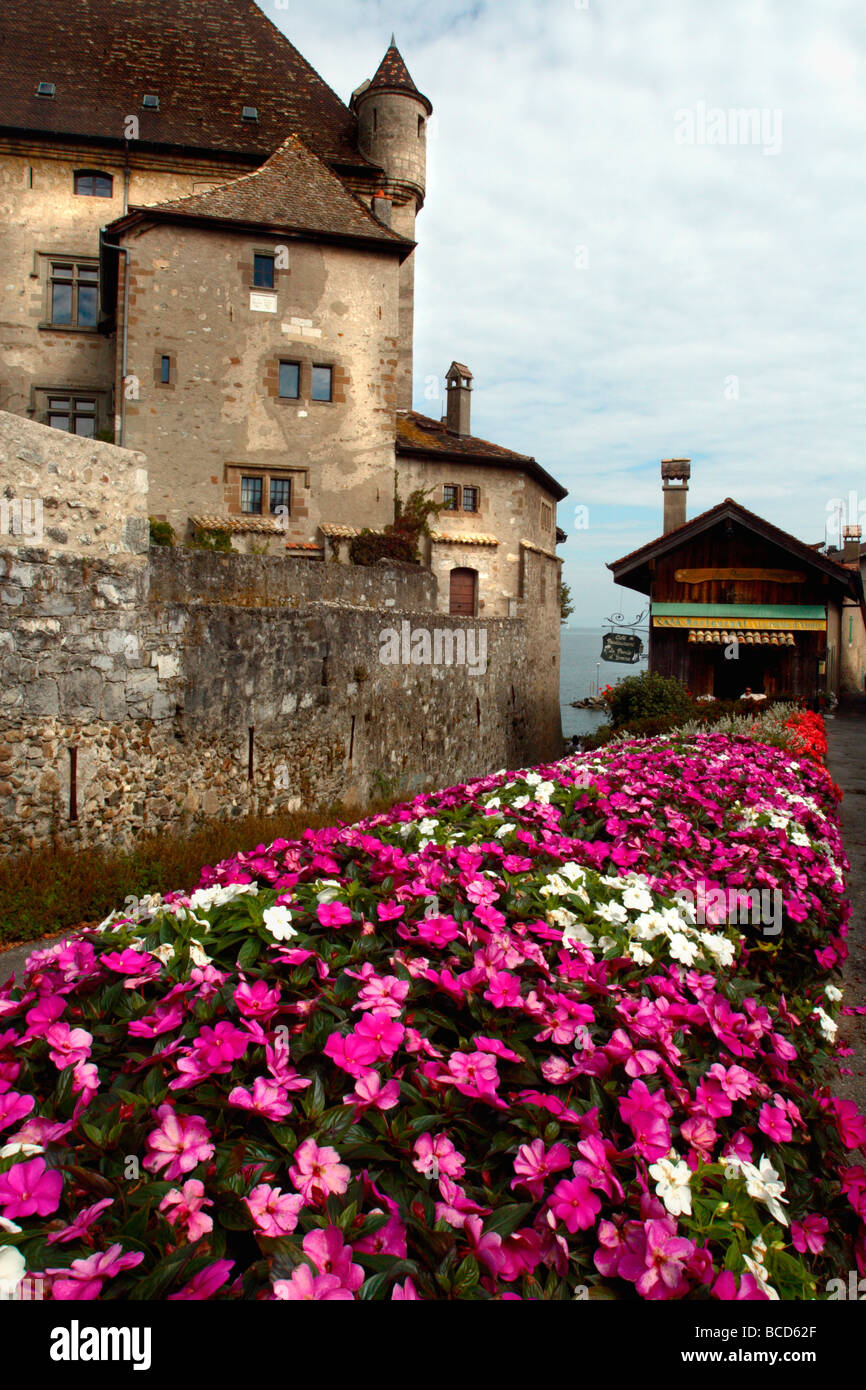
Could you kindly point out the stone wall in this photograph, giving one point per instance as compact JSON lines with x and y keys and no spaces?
{"x":195,"y":683}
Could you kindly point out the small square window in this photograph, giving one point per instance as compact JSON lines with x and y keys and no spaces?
{"x":281,"y":495}
{"x":451,"y":495}
{"x":251,"y":496}
{"x":263,"y":271}
{"x":470,"y":499}
{"x":165,"y":370}
{"x":150,"y":102}
{"x":250,"y":113}
{"x":322,"y":383}
{"x":46,"y":89}
{"x":290,"y":376}
{"x":76,"y":415}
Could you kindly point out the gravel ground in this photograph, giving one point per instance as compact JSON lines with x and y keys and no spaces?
{"x":846,"y":759}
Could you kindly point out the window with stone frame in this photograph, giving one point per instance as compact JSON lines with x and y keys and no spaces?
{"x":322,"y":383}
{"x":280,"y":498}
{"x":251,"y":495}
{"x":451,"y":497}
{"x":470,"y":499}
{"x":263,"y":270}
{"x":546,"y":516}
{"x":77,"y":414}
{"x":73,"y":294}
{"x":289,"y":385}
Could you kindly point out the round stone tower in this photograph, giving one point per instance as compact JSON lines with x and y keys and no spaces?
{"x":392,"y":133}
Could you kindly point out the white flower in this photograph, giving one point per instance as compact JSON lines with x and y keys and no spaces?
{"x":493,"y":801}
{"x":330,"y":888}
{"x":575,"y":873}
{"x":833,"y":993}
{"x":575,"y":931}
{"x":638,"y":954}
{"x":197,"y":953}
{"x":9,"y":1226}
{"x":427,"y":825}
{"x":682,"y":949}
{"x":12,"y":1270}
{"x":163,"y":953}
{"x":532,"y":779}
{"x":719,"y":946}
{"x":672,"y":1184}
{"x":762,"y":1277}
{"x":203,"y":899}
{"x":648,"y":926}
{"x":13,"y":1149}
{"x":519,"y":802}
{"x":759,"y":1249}
{"x":763,"y":1184}
{"x":825,"y":1023}
{"x":612,"y":912}
{"x":637,"y":899}
{"x":278,"y":921}
{"x":544,"y":791}
{"x":505,"y":829}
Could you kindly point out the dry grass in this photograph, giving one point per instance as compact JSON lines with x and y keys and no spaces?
{"x":60,"y":886}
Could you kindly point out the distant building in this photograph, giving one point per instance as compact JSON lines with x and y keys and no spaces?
{"x":737,"y":604}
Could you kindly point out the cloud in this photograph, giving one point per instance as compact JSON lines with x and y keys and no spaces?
{"x":622,"y":297}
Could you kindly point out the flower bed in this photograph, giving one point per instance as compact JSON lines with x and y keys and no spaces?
{"x":473,"y":1048}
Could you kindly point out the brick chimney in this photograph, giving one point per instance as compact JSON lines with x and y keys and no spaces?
{"x":458,"y":380}
{"x":851,"y":536}
{"x":675,"y":486}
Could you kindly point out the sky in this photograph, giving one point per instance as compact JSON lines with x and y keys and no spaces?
{"x":644,"y":234}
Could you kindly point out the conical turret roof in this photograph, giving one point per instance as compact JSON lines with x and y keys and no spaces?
{"x":392,"y":75}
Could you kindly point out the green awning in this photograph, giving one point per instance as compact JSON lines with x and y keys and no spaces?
{"x":798,"y":617}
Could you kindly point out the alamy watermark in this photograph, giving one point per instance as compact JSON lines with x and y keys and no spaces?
{"x":419,"y":646}
{"x":739,"y":125}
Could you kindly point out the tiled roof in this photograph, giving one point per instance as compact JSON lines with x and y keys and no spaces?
{"x":292,"y":190}
{"x":418,"y":434}
{"x":269,"y":525}
{"x":204,"y":61}
{"x":392,"y":75}
{"x":704,"y":520}
{"x":539,"y":550}
{"x":463,"y":538}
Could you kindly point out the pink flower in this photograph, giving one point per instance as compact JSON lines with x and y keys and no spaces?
{"x":82,"y":1223}
{"x":256,"y":1000}
{"x":204,"y":1284}
{"x":219,"y":1047}
{"x":774,"y":1122}
{"x":304,"y":1286}
{"x":179,"y":1141}
{"x":438,"y":931}
{"x":810,"y":1234}
{"x":405,"y":1292}
{"x":575,"y":1204}
{"x":666,"y":1257}
{"x":382,"y":1034}
{"x":165,"y":1018}
{"x":473,"y":1074}
{"x":389,"y":1239}
{"x":485,"y":1246}
{"x":330,"y":1254}
{"x":84,"y":1278}
{"x":317,"y":1172}
{"x":185,"y":1205}
{"x":333,"y":915}
{"x":274,"y":1212}
{"x":646,"y":1113}
{"x":503,"y":990}
{"x":369,"y":1091}
{"x":266,"y":1098}
{"x":13,"y":1107}
{"x":749,"y":1290}
{"x":28,"y":1188}
{"x":435,"y":1155}
{"x":67,"y":1046}
{"x":533,"y":1164}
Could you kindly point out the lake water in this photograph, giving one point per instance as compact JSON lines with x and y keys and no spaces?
{"x":581,"y":669}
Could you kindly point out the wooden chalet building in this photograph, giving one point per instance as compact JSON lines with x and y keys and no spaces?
{"x":736,"y":603}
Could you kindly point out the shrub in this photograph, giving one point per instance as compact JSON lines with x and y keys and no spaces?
{"x":210,"y":540}
{"x":161,"y":532}
{"x":648,"y":695}
{"x":372,"y":546}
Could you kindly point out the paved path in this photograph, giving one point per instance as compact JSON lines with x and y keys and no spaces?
{"x":12,"y":960}
{"x":846,"y":760}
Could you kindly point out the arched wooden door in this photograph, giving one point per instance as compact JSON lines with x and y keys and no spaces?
{"x":464,"y":588}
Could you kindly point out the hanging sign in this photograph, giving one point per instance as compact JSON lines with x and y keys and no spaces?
{"x":623,"y":647}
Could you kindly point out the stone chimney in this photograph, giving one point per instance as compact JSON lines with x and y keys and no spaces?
{"x":458,"y":380}
{"x":675,"y":486}
{"x":851,"y":536}
{"x":382,"y":207}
